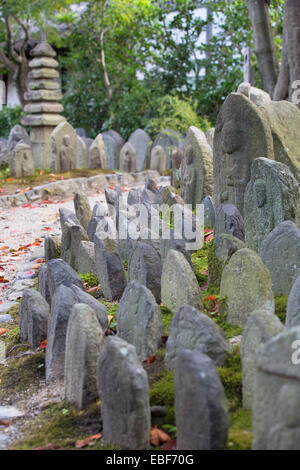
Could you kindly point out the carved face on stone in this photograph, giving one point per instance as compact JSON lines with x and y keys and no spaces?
{"x":241,"y":135}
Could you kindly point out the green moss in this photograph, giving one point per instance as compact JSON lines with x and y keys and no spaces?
{"x":240,"y":432}
{"x":231,"y":377}
{"x":90,"y":279}
{"x":281,"y":306}
{"x":215,"y":267}
{"x":167,"y":316}
{"x":62,"y":424}
{"x":162,"y":393}
{"x":21,"y":375}
{"x":14,"y":311}
{"x":200,"y":263}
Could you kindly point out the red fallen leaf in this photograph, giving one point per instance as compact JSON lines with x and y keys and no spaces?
{"x":2,"y":190}
{"x":4,"y":422}
{"x":3,"y":280}
{"x":170,"y":445}
{"x":29,"y":205}
{"x":42,"y":172}
{"x":205,"y":273}
{"x":208,"y":238}
{"x":47,"y":202}
{"x":48,"y":447}
{"x":40,"y":260}
{"x":46,"y":229}
{"x":4,"y":248}
{"x":125,"y":189}
{"x":1,"y":269}
{"x":61,"y":178}
{"x":9,"y":179}
{"x":111,"y":187}
{"x":43,"y":344}
{"x":157,"y":437}
{"x":2,"y":331}
{"x":24,"y":190}
{"x":52,"y":180}
{"x":210,"y":297}
{"x":150,"y":360}
{"x":86,"y":442}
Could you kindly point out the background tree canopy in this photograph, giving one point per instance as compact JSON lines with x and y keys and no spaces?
{"x":123,"y":67}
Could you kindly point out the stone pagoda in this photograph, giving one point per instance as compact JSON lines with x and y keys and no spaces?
{"x":42,"y":102}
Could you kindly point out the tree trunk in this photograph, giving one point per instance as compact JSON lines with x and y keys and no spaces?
{"x":281,"y":91}
{"x":292,"y":13}
{"x":106,"y":81}
{"x":22,"y":80}
{"x":264,"y":43}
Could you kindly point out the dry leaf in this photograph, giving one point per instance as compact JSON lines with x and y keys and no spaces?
{"x":2,"y":331}
{"x":86,"y":442}
{"x":4,"y":422}
{"x":158,"y":436}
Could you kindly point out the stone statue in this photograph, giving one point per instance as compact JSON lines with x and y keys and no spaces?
{"x":66,"y":155}
{"x":128,"y":158}
{"x":158,"y":159}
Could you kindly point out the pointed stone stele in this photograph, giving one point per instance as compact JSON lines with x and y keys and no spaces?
{"x":42,"y":102}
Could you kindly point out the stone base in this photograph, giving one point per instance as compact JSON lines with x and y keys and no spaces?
{"x":41,"y":147}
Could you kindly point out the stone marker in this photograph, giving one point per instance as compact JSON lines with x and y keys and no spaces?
{"x":84,"y":340}
{"x":260,"y":328}
{"x":52,"y":246}
{"x":284,"y":120}
{"x":145,"y":266}
{"x":158,"y":159}
{"x":139,"y":320}
{"x":124,"y":394}
{"x":177,"y":157}
{"x":200,"y":402}
{"x":281,"y":254}
{"x":128,"y":159}
{"x":33,"y":317}
{"x":209,"y":211}
{"x":272,"y":196}
{"x":223,"y":247}
{"x":64,"y":148}
{"x":72,"y":235}
{"x":276,"y":407}
{"x":119,"y":144}
{"x":97,"y":156}
{"x":191,"y":329}
{"x":245,"y":286}
{"x":43,"y":286}
{"x":16,"y":135}
{"x":109,"y":267}
{"x":86,"y":258}
{"x":229,"y":220}
{"x":59,"y":272}
{"x":256,"y":95}
{"x":293,"y":306}
{"x":196,"y":168}
{"x":61,"y":306}
{"x":82,"y":153}
{"x":179,"y":285}
{"x":140,"y":140}
{"x":168,"y":140}
{"x":241,"y":135}
{"x":210,"y":137}
{"x":111,"y":149}
{"x":82,"y":209}
{"x":21,"y":162}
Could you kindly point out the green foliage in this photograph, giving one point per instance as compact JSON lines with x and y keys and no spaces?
{"x":240,"y":432}
{"x":167,"y":316}
{"x":281,"y":306}
{"x":9,"y":117}
{"x":90,"y":279}
{"x":177,"y":114}
{"x":231,"y":378}
{"x":199,"y":260}
{"x":162,"y":393}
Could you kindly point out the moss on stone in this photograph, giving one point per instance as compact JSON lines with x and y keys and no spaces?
{"x":215,"y":266}
{"x":22,"y":374}
{"x":231,"y":377}
{"x":167,"y":316}
{"x":90,"y":279}
{"x":162,"y":393}
{"x":240,"y":432}
{"x":61,"y":424}
{"x":281,"y":306}
{"x":199,"y":260}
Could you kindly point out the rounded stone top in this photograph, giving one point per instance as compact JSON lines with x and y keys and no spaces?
{"x":47,"y":62}
{"x":43,"y":49}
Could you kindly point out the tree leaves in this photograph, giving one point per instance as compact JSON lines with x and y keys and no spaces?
{"x":158,"y":436}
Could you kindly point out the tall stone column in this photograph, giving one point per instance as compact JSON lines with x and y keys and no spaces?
{"x":42,"y":97}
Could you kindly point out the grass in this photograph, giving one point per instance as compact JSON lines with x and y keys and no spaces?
{"x":200,"y":263}
{"x":167,"y":316}
{"x":281,"y":306}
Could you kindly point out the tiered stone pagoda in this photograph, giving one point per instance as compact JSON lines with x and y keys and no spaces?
{"x":42,"y":102}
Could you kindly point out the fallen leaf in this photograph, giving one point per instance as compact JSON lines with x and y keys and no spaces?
{"x":158,"y":436}
{"x":2,"y":190}
{"x":48,"y":447}
{"x":150,"y":360}
{"x":2,"y":331}
{"x":210,"y":297}
{"x":61,"y":178}
{"x":4,"y":422}
{"x":43,"y":344}
{"x":3,"y":280}
{"x":9,"y":179}
{"x":170,"y":445}
{"x":42,"y":172}
{"x":86,"y":442}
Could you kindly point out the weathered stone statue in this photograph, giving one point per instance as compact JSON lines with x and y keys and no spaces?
{"x":196,"y":168}
{"x":128,"y":158}
{"x":21,"y":162}
{"x":158,"y":159}
{"x":97,"y":156}
{"x":66,"y":155}
{"x":64,"y":148}
{"x":242,"y":134}
{"x":177,"y":156}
